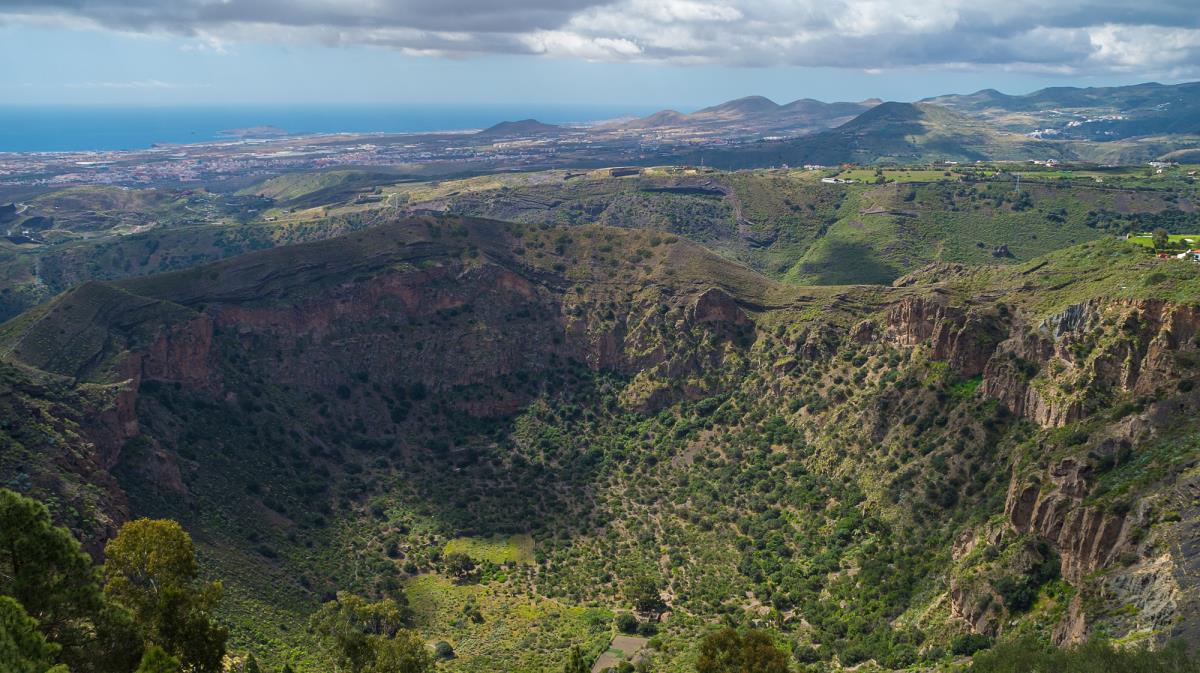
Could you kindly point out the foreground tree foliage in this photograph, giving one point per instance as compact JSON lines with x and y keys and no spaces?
{"x":151,"y":569}
{"x":23,"y":649}
{"x":365,"y":637}
{"x":728,"y":651}
{"x":152,"y":614}
{"x":1097,"y":656}
{"x":44,"y":569}
{"x":53,"y":582}
{"x":156,"y":660}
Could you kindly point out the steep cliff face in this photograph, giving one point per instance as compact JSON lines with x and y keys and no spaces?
{"x":1062,"y":368}
{"x":181,"y":353}
{"x":1090,"y":356}
{"x":464,"y":327}
{"x":1070,"y":368}
{"x":1071,"y":363}
{"x":1087,"y":538}
{"x":963,"y":339}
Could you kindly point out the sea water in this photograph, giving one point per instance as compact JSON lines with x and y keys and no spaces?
{"x":56,"y":128}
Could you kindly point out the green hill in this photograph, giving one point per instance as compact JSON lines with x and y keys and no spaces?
{"x":785,"y":224}
{"x":312,"y":189}
{"x":756,"y":114}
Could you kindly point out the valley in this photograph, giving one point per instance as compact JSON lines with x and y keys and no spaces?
{"x":789,"y":225}
{"x":354,"y":413}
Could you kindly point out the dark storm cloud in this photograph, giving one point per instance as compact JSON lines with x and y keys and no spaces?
{"x":1066,"y":36}
{"x":188,"y":16}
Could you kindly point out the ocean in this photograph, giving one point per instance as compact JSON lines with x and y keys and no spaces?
{"x":57,"y":128}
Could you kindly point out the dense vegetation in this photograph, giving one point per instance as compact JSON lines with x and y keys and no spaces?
{"x":146,"y":611}
{"x":143,"y":611}
{"x":1031,"y":656}
{"x":480,"y":446}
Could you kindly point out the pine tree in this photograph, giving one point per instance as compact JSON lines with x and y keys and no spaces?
{"x":155,"y":660}
{"x":47,"y":573}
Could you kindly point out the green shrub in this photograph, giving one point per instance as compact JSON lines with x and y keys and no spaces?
{"x":970,"y":643}
{"x":627,"y":623}
{"x":1097,"y":656}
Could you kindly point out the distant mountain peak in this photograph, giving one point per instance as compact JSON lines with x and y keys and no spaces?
{"x":521,"y":127}
{"x":888,"y":111}
{"x":744,"y":105}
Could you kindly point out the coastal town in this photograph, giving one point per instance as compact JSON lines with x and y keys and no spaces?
{"x":421,"y":155}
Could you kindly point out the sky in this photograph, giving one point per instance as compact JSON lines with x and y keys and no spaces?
{"x":669,"y":53}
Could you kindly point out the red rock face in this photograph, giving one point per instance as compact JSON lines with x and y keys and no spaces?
{"x":964,"y":340}
{"x":181,"y":353}
{"x":716,"y":306}
{"x":117,"y":423}
{"x":367,"y":324}
{"x":410,"y":326}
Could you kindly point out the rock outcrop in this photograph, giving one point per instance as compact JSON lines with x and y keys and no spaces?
{"x":1080,"y":356}
{"x":965,"y":340}
{"x":1086,"y":538}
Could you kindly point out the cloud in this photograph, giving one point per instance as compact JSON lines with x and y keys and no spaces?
{"x":1069,"y":36}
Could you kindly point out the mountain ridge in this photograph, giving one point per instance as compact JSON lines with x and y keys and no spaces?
{"x":1102,"y":114}
{"x":756,"y":112}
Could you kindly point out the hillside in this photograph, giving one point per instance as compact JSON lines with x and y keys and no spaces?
{"x":741,"y":107}
{"x":786,"y":224}
{"x":1101,"y":114}
{"x":895,"y":133}
{"x":314,"y":189}
{"x":791,"y":226}
{"x":870,"y":472}
{"x":755,"y":114}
